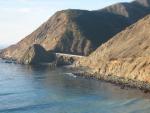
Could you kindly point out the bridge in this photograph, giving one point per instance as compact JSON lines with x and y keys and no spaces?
{"x":67,"y":59}
{"x":68,"y":55}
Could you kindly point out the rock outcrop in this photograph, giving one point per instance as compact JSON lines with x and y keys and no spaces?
{"x":36,"y":54}
{"x":80,"y":31}
{"x":126,"y":55}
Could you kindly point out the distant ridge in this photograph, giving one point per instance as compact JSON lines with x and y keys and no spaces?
{"x":145,"y":3}
{"x":80,"y":31}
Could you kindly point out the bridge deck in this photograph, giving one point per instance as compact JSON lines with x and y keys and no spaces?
{"x":68,"y":55}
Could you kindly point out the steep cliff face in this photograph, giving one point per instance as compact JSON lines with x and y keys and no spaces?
{"x":125,"y":55}
{"x":80,"y":31}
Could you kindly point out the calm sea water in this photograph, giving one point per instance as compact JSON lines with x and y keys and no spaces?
{"x":39,"y":89}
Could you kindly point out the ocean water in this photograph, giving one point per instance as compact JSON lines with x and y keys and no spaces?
{"x":39,"y":89}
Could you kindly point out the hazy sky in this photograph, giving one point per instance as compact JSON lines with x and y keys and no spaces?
{"x":18,"y":18}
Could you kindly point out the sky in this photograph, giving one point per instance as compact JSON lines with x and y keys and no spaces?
{"x":18,"y":18}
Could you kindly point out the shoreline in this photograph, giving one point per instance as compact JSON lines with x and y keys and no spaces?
{"x":118,"y":81}
{"x":84,"y":72}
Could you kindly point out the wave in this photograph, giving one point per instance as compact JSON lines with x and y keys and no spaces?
{"x":71,"y":74}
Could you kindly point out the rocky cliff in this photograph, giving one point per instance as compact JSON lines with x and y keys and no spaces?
{"x":126,"y":55}
{"x":36,"y":54}
{"x":79,"y":31}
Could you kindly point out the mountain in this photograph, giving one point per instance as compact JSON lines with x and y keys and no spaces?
{"x":126,"y":55}
{"x":80,"y":31}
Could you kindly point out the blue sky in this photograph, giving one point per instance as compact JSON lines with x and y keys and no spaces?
{"x":18,"y":18}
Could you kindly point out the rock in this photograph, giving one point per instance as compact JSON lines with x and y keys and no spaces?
{"x":36,"y":54}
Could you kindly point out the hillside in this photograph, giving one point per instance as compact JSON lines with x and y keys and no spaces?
{"x":125,"y":55}
{"x":80,"y":31}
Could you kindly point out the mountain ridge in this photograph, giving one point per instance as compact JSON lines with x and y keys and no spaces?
{"x":79,"y":31}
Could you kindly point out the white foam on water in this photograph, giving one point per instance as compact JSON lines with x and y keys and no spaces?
{"x":71,"y":74}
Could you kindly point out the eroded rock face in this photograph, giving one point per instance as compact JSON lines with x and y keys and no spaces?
{"x":80,"y":31}
{"x":36,"y":54}
{"x":126,"y":55}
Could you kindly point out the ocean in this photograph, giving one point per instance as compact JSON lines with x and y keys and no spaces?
{"x":40,"y":89}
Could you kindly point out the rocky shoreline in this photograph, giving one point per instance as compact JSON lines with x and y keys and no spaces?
{"x":123,"y":83}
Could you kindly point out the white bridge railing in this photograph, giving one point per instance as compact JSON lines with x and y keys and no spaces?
{"x":68,"y":55}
